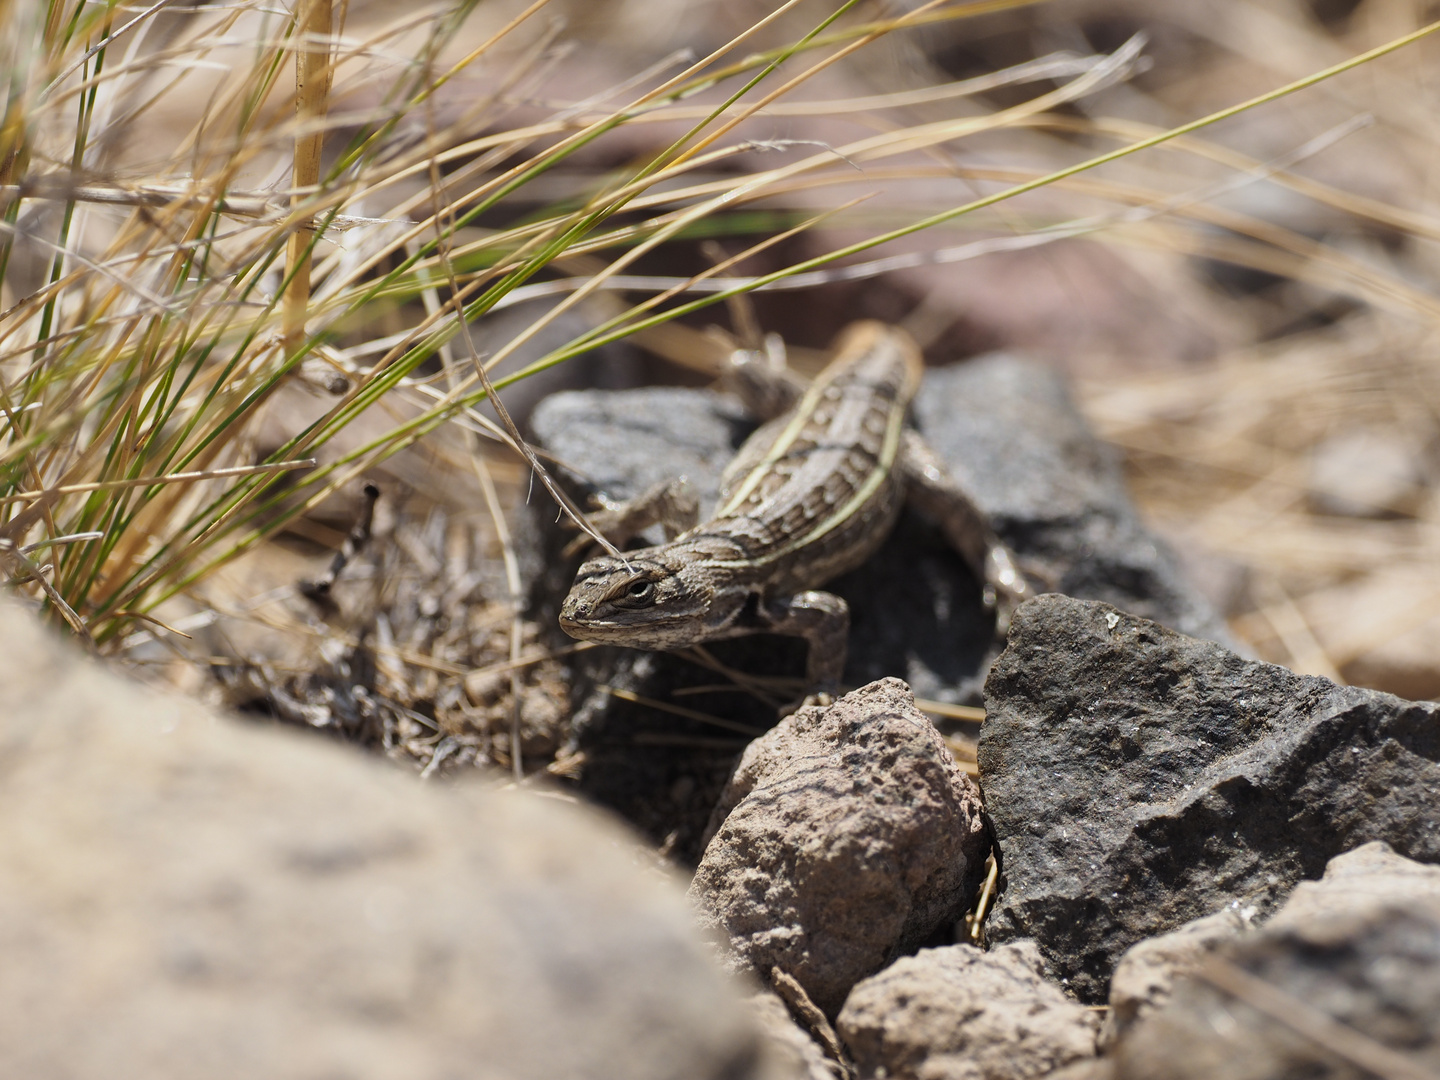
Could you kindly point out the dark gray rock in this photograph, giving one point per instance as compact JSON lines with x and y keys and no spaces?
{"x":848,"y":835}
{"x":1004,"y":424}
{"x":1344,"y":996}
{"x":956,"y":1013}
{"x":1138,"y":779}
{"x":1008,"y":430}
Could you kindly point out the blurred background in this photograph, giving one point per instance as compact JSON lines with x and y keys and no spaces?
{"x":1247,"y":312}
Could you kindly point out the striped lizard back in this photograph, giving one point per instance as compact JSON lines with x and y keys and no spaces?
{"x":811,"y":494}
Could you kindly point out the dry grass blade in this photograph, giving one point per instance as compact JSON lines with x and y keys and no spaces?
{"x":972,"y":713}
{"x":975,"y":920}
{"x":312,"y":92}
{"x":155,"y":481}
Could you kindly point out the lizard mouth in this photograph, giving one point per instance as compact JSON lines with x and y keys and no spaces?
{"x":581,"y":622}
{"x":602,"y":630}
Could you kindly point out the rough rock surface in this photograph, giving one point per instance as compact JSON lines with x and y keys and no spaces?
{"x":1138,"y":779}
{"x":957,"y":1013}
{"x":183,"y":895}
{"x":848,"y":835}
{"x":1004,"y":424}
{"x":1344,"y":995}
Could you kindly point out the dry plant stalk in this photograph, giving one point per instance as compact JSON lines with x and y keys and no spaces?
{"x":312,"y":93}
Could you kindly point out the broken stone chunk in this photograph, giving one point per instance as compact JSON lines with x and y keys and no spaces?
{"x":957,"y":1013}
{"x":1138,"y":779}
{"x":846,"y":836}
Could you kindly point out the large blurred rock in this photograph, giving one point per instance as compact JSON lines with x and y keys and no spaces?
{"x":1138,"y":779}
{"x":1370,"y":876}
{"x":1005,"y":425}
{"x":1343,"y":982}
{"x":185,"y":896}
{"x":957,"y":1013}
{"x":848,"y":835}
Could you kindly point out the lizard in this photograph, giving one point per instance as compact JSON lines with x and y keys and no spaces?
{"x":810,"y":495}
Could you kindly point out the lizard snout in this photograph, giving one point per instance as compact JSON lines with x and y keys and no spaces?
{"x":575,"y":609}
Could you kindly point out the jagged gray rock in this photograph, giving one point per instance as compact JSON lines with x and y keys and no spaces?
{"x":847,"y":836}
{"x":1004,"y":424}
{"x":956,"y":1013}
{"x":183,"y":895}
{"x":1138,"y":778}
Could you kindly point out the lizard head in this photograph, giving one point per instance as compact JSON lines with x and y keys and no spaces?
{"x":654,"y":598}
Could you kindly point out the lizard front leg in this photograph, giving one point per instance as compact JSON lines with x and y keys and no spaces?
{"x":823,"y":620}
{"x":670,"y":503}
{"x":939,"y":496}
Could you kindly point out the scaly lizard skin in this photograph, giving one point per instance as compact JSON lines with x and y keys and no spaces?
{"x":812,"y":494}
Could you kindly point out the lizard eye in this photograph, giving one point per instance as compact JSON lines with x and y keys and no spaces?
{"x":638,"y":594}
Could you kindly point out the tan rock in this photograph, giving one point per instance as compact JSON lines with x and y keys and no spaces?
{"x":846,"y":836}
{"x":185,"y":896}
{"x":1343,"y":982}
{"x":957,"y":1013}
{"x":1145,"y":977}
